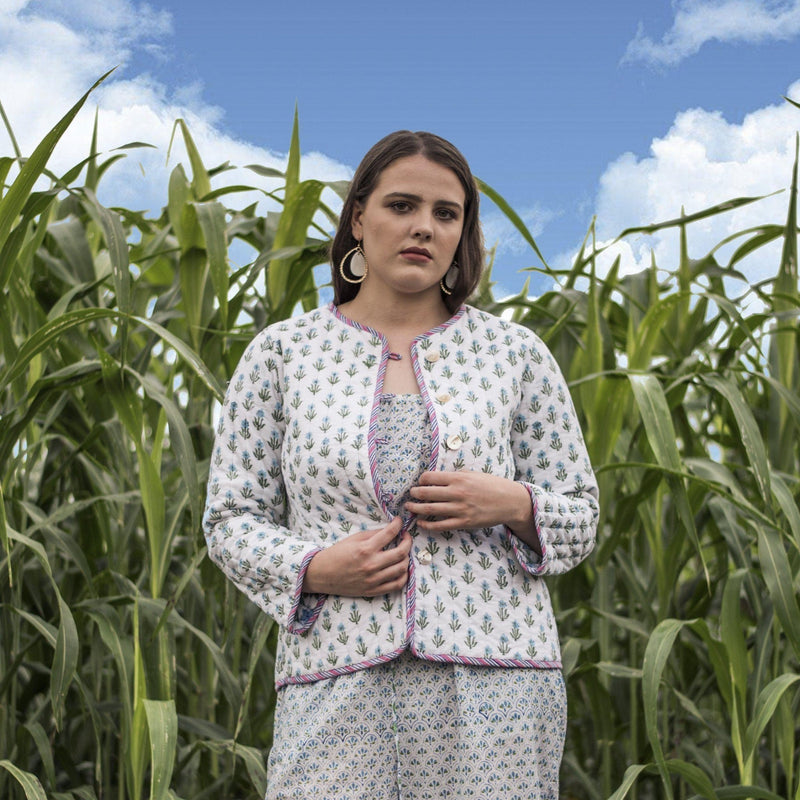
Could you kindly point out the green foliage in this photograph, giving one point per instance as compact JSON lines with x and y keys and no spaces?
{"x":130,"y":668}
{"x":682,"y":634}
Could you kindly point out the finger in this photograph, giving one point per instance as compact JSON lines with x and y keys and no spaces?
{"x":404,"y":545}
{"x":440,"y":478}
{"x":389,"y":531}
{"x":437,"y":510}
{"x":384,"y":537}
{"x":430,"y":493}
{"x":389,"y":579}
{"x":394,"y":555}
{"x":442,"y":525}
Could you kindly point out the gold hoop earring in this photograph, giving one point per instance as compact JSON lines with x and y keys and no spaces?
{"x":358,"y":265}
{"x":448,"y":282}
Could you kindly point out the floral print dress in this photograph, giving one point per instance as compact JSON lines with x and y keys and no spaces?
{"x":416,"y":729}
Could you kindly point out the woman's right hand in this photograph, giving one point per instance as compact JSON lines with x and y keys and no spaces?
{"x":359,"y":566}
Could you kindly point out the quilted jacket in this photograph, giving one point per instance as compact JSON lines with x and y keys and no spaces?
{"x":293,"y":470}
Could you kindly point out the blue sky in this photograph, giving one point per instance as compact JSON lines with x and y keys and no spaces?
{"x":623,"y":109}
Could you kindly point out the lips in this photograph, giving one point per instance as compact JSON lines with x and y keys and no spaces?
{"x":416,"y":253}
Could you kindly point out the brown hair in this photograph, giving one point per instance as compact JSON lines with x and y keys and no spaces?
{"x":400,"y":144}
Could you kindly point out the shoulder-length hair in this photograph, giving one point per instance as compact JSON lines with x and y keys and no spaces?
{"x":400,"y":144}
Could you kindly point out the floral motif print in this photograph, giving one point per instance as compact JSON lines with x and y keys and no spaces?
{"x":419,"y":731}
{"x":295,"y":468}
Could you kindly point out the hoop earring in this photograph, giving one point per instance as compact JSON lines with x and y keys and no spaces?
{"x":358,"y":265}
{"x":448,"y":282}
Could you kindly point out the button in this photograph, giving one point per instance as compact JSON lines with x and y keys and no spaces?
{"x":424,"y":557}
{"x":443,"y":398}
{"x":433,"y":357}
{"x":453,"y":442}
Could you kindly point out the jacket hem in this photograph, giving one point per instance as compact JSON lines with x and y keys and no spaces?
{"x":510,"y":663}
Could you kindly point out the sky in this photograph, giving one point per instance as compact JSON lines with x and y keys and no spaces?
{"x":622,"y":110}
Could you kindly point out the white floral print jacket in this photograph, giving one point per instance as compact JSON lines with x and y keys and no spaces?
{"x":293,"y":471}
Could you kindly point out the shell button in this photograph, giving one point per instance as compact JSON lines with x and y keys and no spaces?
{"x":424,"y":557}
{"x":432,"y":357}
{"x":453,"y":442}
{"x":444,"y":397}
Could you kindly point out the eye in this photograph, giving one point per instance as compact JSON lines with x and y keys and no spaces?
{"x":445,"y":213}
{"x":400,"y":205}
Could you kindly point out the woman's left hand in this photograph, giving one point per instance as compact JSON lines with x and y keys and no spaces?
{"x":444,"y":501}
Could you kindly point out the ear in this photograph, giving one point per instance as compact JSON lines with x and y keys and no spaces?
{"x":355,"y":223}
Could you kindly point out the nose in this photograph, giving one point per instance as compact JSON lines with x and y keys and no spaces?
{"x":422,"y":227}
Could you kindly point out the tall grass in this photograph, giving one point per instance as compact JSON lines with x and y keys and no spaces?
{"x":129,"y":668}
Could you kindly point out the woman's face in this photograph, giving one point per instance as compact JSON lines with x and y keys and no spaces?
{"x":410,"y":226}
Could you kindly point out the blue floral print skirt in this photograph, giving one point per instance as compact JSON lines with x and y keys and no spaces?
{"x":419,"y":730}
{"x":411,"y":729}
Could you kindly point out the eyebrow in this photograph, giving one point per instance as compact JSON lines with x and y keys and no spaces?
{"x":417,"y":199}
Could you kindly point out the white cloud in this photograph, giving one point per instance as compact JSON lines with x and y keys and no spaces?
{"x":699,"y":21}
{"x":703,"y":160}
{"x":51,"y":51}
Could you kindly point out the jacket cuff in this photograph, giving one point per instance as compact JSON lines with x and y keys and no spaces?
{"x":530,"y":560}
{"x":305,"y":608}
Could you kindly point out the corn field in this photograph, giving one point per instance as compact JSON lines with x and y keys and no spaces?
{"x":130,"y":669}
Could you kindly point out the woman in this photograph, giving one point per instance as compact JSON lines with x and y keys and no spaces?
{"x":392,"y":477}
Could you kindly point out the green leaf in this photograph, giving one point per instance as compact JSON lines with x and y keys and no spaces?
{"x":12,"y":202}
{"x":778,"y":577}
{"x":259,"y":639}
{"x":655,"y":659}
{"x":732,"y":633}
{"x":162,"y":723}
{"x":788,"y":505}
{"x":302,"y":202}
{"x":181,"y":441}
{"x":56,"y":328}
{"x":201,"y":183}
{"x":683,"y":220}
{"x":657,"y":420}
{"x":211,"y":217}
{"x":266,"y":172}
{"x":619,"y":670}
{"x":181,"y":211}
{"x":108,"y":625}
{"x":252,"y":758}
{"x":4,"y":536}
{"x":698,"y":780}
{"x":65,"y":661}
{"x":632,"y":773}
{"x":30,"y":783}
{"x":748,"y":430}
{"x":293,"y":164}
{"x":44,"y":748}
{"x":116,"y":243}
{"x":70,"y":236}
{"x":642,"y":344}
{"x":513,"y":217}
{"x":767,"y":702}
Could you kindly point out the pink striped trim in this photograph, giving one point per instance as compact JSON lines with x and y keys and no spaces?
{"x":337,"y":671}
{"x":348,"y":669}
{"x":488,"y":662}
{"x":426,"y":398}
{"x":298,"y":593}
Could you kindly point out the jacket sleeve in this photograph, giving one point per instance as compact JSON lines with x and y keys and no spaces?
{"x":552,"y":462}
{"x":245,"y":516}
